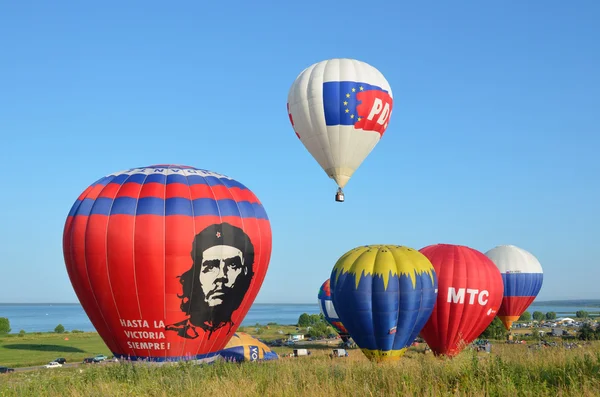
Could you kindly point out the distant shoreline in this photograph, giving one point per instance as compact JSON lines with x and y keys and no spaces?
{"x":569,"y":302}
{"x":78,"y":304}
{"x":580,"y":303}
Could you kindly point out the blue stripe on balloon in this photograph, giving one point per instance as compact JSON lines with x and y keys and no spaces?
{"x":103,"y":181}
{"x":328,"y":315}
{"x":171,"y":206}
{"x":141,"y":178}
{"x":522,"y":284}
{"x":168,"y":358}
{"x":233,"y":352}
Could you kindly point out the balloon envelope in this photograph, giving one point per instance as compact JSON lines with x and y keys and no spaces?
{"x":243,"y":347}
{"x":470,"y":294}
{"x":340,"y":109}
{"x":328,"y":310}
{"x":522,"y":276}
{"x":166,"y":260}
{"x":384,"y":295}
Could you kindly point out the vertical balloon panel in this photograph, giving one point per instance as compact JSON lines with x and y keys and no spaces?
{"x":75,"y":261}
{"x":167,"y":260}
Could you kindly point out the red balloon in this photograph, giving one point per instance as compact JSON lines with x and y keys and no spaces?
{"x":470,"y":294}
{"x":166,"y":260}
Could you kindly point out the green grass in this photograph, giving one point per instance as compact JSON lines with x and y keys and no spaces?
{"x":511,"y":370}
{"x":271,"y":332}
{"x":41,"y":348}
{"x":514,"y":370}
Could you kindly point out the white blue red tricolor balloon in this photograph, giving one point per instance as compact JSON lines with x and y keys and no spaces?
{"x":522,"y":276}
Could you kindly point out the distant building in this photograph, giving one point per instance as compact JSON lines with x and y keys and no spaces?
{"x":557,"y":332}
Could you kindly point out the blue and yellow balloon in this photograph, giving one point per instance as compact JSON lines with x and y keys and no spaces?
{"x":384,"y":295}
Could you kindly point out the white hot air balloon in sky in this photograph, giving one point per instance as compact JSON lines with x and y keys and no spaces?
{"x":340,"y":109}
{"x":522,"y":276}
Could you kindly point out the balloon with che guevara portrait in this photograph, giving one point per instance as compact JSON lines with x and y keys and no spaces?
{"x":166,"y":260}
{"x":340,"y":109}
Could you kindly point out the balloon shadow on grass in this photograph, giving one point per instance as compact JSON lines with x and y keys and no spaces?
{"x":43,"y":348}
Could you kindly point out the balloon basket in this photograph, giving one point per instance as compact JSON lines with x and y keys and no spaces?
{"x":339,"y":196}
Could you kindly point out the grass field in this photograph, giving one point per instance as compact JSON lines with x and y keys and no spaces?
{"x":41,"y":348}
{"x":38,"y":349}
{"x":510,"y":370}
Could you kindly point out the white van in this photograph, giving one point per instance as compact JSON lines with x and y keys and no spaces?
{"x":301,"y":352}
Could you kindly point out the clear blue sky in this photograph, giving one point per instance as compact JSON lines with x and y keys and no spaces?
{"x":494,"y":137}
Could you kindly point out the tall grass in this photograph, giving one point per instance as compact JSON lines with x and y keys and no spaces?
{"x":510,"y":370}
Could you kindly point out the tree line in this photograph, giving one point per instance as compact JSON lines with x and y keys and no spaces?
{"x":5,"y":328}
{"x":539,"y":316}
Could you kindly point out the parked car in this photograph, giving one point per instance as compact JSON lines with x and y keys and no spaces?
{"x":100,"y":357}
{"x":53,"y":364}
{"x":61,"y":360}
{"x":5,"y":370}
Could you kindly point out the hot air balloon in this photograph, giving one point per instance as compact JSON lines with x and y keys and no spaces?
{"x":383,"y":294}
{"x":243,"y":347}
{"x":470,"y":294}
{"x":522,"y":276}
{"x":326,"y":306}
{"x":166,"y":260}
{"x":340,"y":109}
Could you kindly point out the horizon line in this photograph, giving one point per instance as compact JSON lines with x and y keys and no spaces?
{"x":78,"y":303}
{"x":287,"y":303}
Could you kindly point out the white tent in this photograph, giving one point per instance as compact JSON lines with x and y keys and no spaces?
{"x":565,"y":320}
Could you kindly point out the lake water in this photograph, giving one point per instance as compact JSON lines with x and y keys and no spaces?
{"x":561,"y":311}
{"x":45,"y":317}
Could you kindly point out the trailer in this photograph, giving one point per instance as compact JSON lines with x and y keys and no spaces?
{"x":301,"y":352}
{"x":338,"y":353}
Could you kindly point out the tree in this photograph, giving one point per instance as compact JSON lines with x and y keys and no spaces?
{"x":4,"y":325}
{"x":581,"y":314}
{"x":310,"y":320}
{"x":304,"y":320}
{"x":495,"y":330}
{"x":526,"y":316}
{"x":550,"y":316}
{"x":59,"y":329}
{"x":319,"y":330}
{"x":539,"y":316}
{"x":586,"y":332}
{"x":316,"y":319}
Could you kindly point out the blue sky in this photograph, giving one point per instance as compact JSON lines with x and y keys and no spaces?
{"x":493,"y":140}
